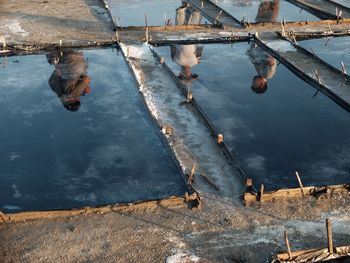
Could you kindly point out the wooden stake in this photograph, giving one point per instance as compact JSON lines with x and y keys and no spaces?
{"x":189,"y":96}
{"x":191,"y":177}
{"x":220,"y":138}
{"x":330,"y":29}
{"x":287,"y":244}
{"x":249,"y":182}
{"x":317,"y":76}
{"x":217,"y":17}
{"x":329,"y":236}
{"x":146,"y":20}
{"x":283,"y":31}
{"x":249,"y":185}
{"x":261,"y":192}
{"x":343,"y":68}
{"x":338,"y":13}
{"x":146,"y":34}
{"x":300,"y":183}
{"x":117,"y":36}
{"x":294,"y":40}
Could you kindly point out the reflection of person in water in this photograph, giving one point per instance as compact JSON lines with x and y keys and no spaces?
{"x":69,"y":79}
{"x":187,"y":56}
{"x":265,"y":66}
{"x":263,"y":62}
{"x":268,"y":11}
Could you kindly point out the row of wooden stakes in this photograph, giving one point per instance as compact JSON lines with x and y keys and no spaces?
{"x":314,"y":255}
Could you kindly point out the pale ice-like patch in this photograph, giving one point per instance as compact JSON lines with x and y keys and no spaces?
{"x":181,"y":257}
{"x":15,"y":28}
{"x":256,"y":162}
{"x":281,"y":45}
{"x":11,"y":207}
{"x":91,"y":172}
{"x":17,"y":193}
{"x":15,"y":155}
{"x":86,"y":197}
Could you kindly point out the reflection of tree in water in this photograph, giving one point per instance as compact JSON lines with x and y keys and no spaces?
{"x":187,"y":56}
{"x":69,"y":79}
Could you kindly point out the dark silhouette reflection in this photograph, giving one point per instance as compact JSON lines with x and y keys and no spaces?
{"x":69,"y":79}
{"x":268,"y":11}
{"x":265,"y":66}
{"x":187,"y":56}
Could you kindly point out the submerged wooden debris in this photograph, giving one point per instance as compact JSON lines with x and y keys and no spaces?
{"x":250,"y":196}
{"x":314,"y":255}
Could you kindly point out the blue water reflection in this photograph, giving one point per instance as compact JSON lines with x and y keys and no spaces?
{"x":270,"y":119}
{"x":60,"y":149}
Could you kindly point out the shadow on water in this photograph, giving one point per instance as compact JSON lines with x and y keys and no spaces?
{"x":258,"y":11}
{"x":60,"y":149}
{"x":270,"y":119}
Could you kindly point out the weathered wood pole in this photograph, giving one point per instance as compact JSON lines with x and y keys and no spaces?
{"x":329,"y":236}
{"x":300,"y":183}
{"x":287,"y":244}
{"x":261,"y":192}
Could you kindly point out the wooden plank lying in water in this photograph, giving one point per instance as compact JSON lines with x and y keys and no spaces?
{"x":314,"y":255}
{"x":283,"y":194}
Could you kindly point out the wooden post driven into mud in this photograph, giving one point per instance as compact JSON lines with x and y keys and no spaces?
{"x":192,"y":174}
{"x":329,"y":236}
{"x":287,"y":244}
{"x":300,"y":183}
{"x":261,"y":192}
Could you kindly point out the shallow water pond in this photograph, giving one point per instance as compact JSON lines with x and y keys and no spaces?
{"x":132,"y":12}
{"x":265,"y":11}
{"x":332,"y":50}
{"x":83,"y":142}
{"x":345,"y":3}
{"x":272,"y":132}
